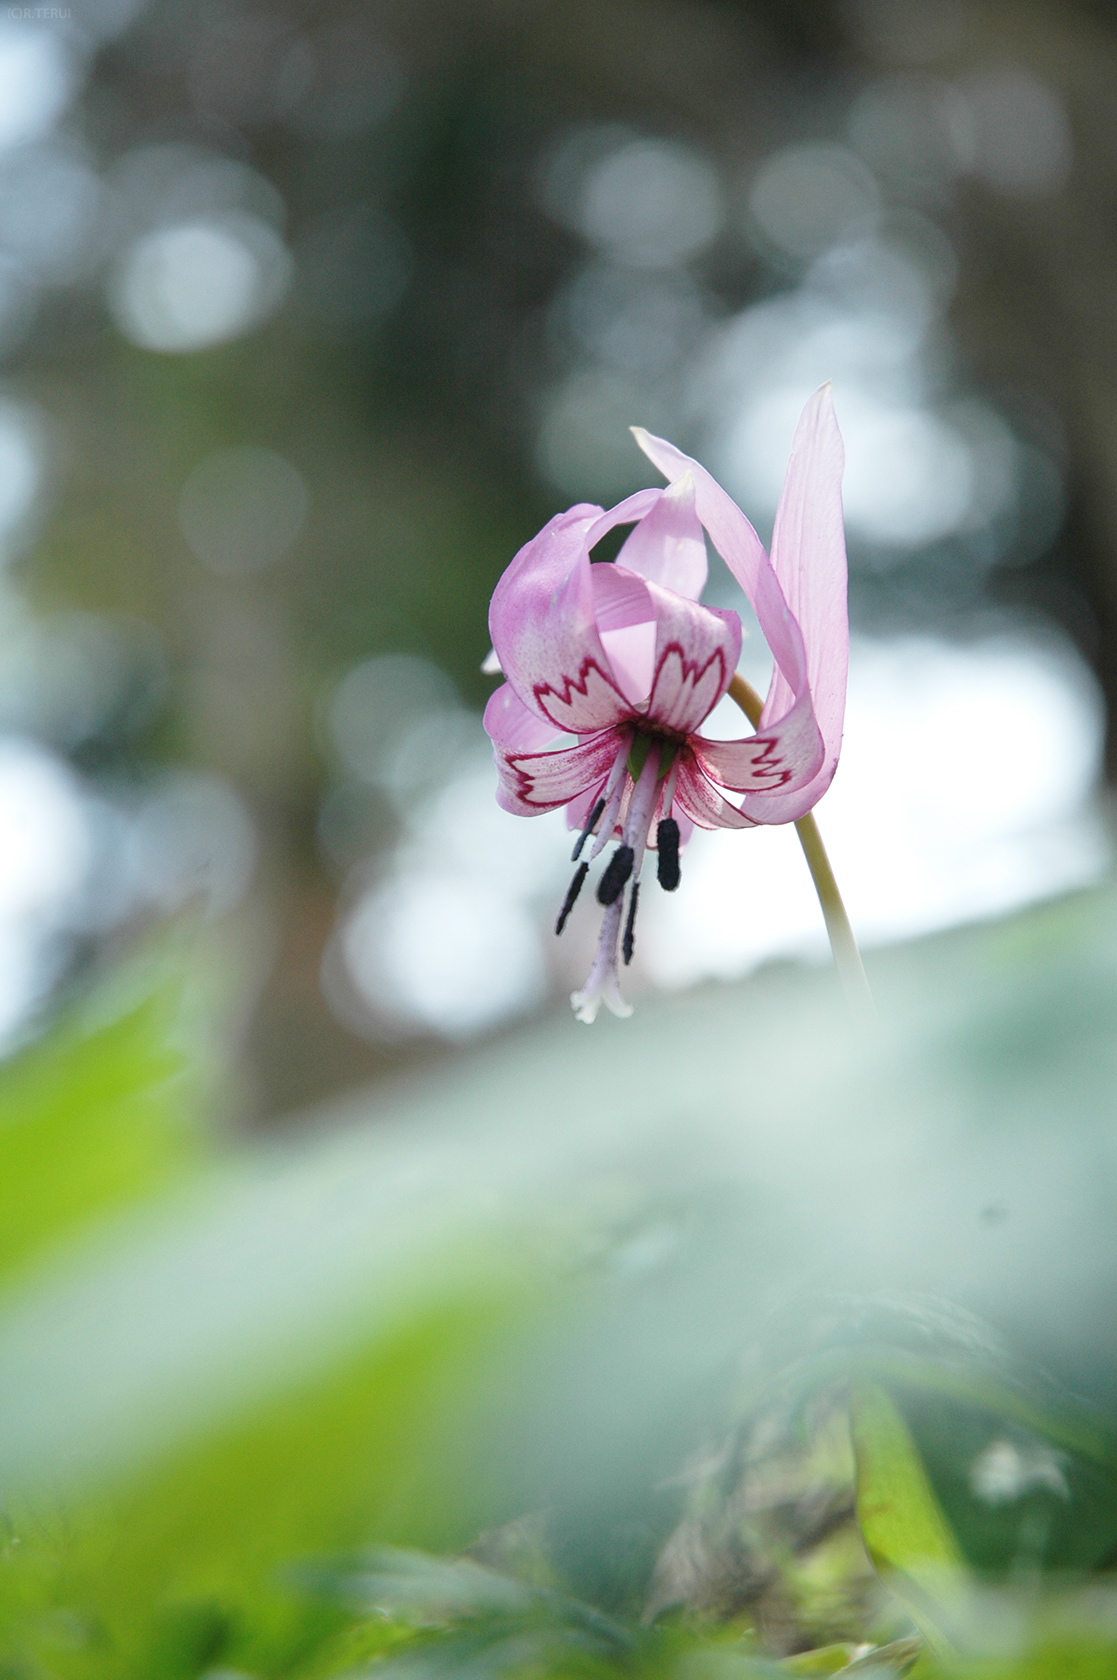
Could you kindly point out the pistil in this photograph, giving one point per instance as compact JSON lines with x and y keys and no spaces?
{"x":641,"y":807}
{"x":603,"y":985}
{"x":614,"y":793}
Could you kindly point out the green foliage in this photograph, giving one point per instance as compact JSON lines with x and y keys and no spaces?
{"x":1066,"y":1659}
{"x":531,"y":1379}
{"x":195,"y":1561}
{"x":905,"y":1532}
{"x":96,"y":1115}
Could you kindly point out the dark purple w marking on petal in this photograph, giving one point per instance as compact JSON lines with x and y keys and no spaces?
{"x":685,"y":691}
{"x":543,"y":780}
{"x":768,"y":763}
{"x":589,"y":701}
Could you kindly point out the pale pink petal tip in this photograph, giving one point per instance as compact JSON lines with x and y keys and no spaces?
{"x":491,"y":665}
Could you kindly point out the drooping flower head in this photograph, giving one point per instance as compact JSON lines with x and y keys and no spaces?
{"x":623,"y":657}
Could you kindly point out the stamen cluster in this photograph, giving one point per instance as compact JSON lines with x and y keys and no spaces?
{"x":623,"y":867}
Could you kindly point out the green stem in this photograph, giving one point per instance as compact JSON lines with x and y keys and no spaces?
{"x":844,"y":946}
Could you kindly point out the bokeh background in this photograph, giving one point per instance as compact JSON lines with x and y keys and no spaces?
{"x":310,"y":314}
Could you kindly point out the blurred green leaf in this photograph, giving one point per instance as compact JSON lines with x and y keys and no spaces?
{"x":1016,"y":1504}
{"x":476,"y":1617}
{"x":1026,"y":1399}
{"x":203,"y":1552}
{"x":96,"y":1115}
{"x":539,"y":1280}
{"x":906,"y":1535}
{"x":1025,"y":1474}
{"x":887,"y":1662}
{"x":827,"y":1659}
{"x":1081,"y":1658}
{"x":416,"y":1587}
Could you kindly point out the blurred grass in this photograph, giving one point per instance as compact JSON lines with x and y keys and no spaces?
{"x":905,"y":1532}
{"x":609,"y":1285}
{"x":98,"y":1115}
{"x":196,"y":1560}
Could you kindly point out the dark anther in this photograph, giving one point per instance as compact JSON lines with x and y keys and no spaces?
{"x":587,"y":831}
{"x":572,"y":892}
{"x":612,"y":883}
{"x":667,"y":845}
{"x":630,"y":925}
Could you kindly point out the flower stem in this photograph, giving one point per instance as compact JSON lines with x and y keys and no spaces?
{"x":851,"y":969}
{"x":847,"y":957}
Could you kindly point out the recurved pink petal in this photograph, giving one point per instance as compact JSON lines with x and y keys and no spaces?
{"x":742,"y":551}
{"x":702,"y":802}
{"x":809,"y":558}
{"x":696,"y":654}
{"x":535,"y":782}
{"x":544,"y":629}
{"x":667,"y":547}
{"x":633,"y":507}
{"x":511,"y":725}
{"x":783,"y":758}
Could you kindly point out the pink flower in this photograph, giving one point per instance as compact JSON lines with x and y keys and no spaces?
{"x":625,"y":659}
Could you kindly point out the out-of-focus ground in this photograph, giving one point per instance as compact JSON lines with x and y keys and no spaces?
{"x":591,"y":1320}
{"x":311,"y":314}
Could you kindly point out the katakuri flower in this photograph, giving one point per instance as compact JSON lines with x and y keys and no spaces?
{"x":623,"y":657}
